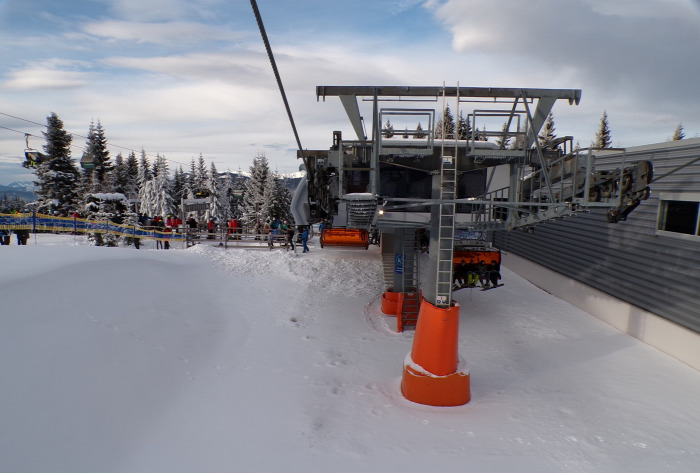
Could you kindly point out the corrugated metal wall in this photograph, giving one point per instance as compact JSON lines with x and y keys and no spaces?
{"x":628,"y":260}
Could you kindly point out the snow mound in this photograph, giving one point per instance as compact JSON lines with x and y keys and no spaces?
{"x":333,"y":276}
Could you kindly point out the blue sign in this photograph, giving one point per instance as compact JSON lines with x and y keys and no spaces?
{"x":398,"y":264}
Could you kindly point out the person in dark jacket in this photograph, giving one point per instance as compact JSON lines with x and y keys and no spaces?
{"x":290,"y":237}
{"x":494,"y":272}
{"x":305,"y":239}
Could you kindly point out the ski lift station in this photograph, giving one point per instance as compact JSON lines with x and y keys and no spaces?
{"x":586,"y":214}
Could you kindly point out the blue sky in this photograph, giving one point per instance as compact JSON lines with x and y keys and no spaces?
{"x":184,"y":77}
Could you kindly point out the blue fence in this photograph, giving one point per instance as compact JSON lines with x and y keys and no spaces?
{"x":50,"y":223}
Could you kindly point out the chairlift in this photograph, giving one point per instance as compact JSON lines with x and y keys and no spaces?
{"x":87,"y":161}
{"x":32,"y":157}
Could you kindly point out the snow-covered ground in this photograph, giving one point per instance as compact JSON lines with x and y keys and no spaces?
{"x":116,"y":360}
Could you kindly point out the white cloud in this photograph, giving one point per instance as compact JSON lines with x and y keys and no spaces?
{"x":40,"y":77}
{"x":163,"y":33}
{"x":162,"y":10}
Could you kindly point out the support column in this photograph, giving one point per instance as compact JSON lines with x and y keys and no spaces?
{"x":434,"y":374}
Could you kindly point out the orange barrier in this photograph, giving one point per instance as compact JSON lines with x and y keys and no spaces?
{"x":390,"y":303}
{"x":433,"y":372}
{"x":344,"y":237}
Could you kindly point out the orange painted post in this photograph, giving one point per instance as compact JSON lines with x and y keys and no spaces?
{"x":390,"y":303}
{"x":434,"y":374}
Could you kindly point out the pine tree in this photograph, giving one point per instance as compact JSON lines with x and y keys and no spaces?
{"x":445,"y":126}
{"x":388,"y":130}
{"x":503,"y":141}
{"x":146,"y":198}
{"x":419,"y":132}
{"x":119,"y":175}
{"x":464,"y":127}
{"x":281,"y":200}
{"x":602,"y":138}
{"x":200,"y":179}
{"x":547,"y":136}
{"x":179,"y":188}
{"x":232,"y":192}
{"x":678,"y":134}
{"x":57,"y":177}
{"x":163,"y":201}
{"x":257,"y":197}
{"x":131,"y":176}
{"x":218,"y":207}
{"x":96,"y":148}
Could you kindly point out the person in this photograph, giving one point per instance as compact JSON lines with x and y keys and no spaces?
{"x":22,"y":236}
{"x":231,"y":228}
{"x":494,"y":272}
{"x":210,"y":228}
{"x":191,"y":222}
{"x":269,"y":238}
{"x":305,"y":239}
{"x":158,"y":223}
{"x":472,"y":273}
{"x":483,"y":276}
{"x":4,"y":237}
{"x":167,"y":233}
{"x":257,"y":229}
{"x":460,"y":274}
{"x":290,"y":237}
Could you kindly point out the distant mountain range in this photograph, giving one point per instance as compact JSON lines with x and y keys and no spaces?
{"x":23,"y":190}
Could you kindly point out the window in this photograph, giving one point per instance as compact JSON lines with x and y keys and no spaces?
{"x":679,"y":214}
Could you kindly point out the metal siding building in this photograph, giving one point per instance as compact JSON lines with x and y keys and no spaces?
{"x":635,"y":260}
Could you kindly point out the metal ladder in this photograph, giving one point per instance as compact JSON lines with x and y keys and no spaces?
{"x":448,"y":192}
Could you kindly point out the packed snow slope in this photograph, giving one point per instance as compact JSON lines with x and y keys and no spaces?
{"x":116,"y":360}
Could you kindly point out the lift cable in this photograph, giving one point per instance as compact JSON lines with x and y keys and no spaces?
{"x":276,"y":72}
{"x":73,"y":145}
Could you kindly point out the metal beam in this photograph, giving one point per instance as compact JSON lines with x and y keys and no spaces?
{"x":572,"y":95}
{"x":351,"y":108}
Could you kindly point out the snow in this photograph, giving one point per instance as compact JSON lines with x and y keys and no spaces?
{"x":116,"y":360}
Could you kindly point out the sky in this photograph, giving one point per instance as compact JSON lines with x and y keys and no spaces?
{"x":211,"y":360}
{"x":182,"y":78}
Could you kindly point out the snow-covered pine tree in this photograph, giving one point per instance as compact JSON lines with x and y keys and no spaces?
{"x":257,"y":197}
{"x":419,"y":132}
{"x":388,"y":130}
{"x":603,"y":138}
{"x":201,"y":176}
{"x":232,"y":192}
{"x":464,"y":127}
{"x":281,"y":200}
{"x":678,"y":134}
{"x":146,"y":197}
{"x":58,"y":176}
{"x":218,"y":206}
{"x":163,"y":204}
{"x":547,"y":136}
{"x":119,"y":174}
{"x":131,"y":177}
{"x":179,"y":187}
{"x":96,"y":147}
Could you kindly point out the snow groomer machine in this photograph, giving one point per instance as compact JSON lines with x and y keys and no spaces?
{"x":430,"y":171}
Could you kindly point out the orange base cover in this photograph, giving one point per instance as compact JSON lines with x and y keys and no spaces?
{"x":434,"y":374}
